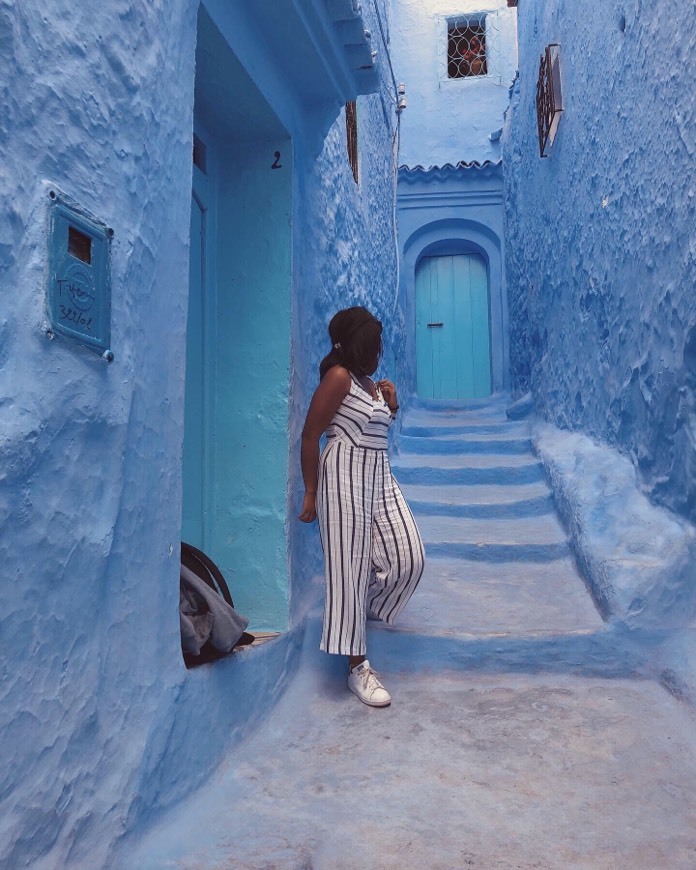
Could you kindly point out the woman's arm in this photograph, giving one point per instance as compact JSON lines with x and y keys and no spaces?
{"x":328,"y":396}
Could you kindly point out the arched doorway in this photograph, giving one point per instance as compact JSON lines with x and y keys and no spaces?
{"x":453,"y":358}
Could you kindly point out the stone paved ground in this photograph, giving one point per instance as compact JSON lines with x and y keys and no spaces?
{"x":522,"y":734}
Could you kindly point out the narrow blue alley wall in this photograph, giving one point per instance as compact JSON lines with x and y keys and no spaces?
{"x":451,"y":119}
{"x":344,"y":254}
{"x":601,"y":251}
{"x":100,"y":723}
{"x":97,"y":103}
{"x":450,"y":198}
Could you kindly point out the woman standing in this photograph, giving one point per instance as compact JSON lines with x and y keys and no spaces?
{"x":373,"y":552}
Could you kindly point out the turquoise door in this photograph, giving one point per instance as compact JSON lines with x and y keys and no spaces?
{"x":196,"y":407}
{"x":453,"y":356}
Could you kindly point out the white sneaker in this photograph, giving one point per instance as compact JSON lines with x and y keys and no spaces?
{"x":365,"y":683}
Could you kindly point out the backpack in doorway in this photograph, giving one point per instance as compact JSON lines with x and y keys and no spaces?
{"x":210,"y":626}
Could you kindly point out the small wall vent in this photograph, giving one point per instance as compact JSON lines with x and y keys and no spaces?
{"x":78,"y":295}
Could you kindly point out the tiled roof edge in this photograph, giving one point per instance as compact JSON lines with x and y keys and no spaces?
{"x":419,"y":171}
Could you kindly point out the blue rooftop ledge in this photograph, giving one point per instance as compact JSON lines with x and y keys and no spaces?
{"x":308,"y":57}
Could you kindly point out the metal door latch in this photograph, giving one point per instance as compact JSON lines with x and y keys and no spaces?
{"x":431,"y":325}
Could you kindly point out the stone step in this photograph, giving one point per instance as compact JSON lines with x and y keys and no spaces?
{"x":496,"y":444}
{"x":521,"y":530}
{"x":436,"y":407}
{"x":523,"y":539}
{"x":473,"y":495}
{"x":429,"y":469}
{"x":589,"y":650}
{"x":531,"y":507}
{"x":531,"y":499}
{"x":457,"y":596}
{"x":460,"y":427}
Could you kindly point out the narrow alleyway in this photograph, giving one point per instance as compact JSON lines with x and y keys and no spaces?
{"x":521,"y":733}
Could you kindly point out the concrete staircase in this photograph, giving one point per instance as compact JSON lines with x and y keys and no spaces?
{"x":498,"y":559}
{"x":520,"y":735}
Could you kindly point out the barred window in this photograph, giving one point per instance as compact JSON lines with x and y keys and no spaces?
{"x":466,"y":47}
{"x":352,"y":136}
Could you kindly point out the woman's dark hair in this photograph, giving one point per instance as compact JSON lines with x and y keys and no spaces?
{"x":356,"y":336}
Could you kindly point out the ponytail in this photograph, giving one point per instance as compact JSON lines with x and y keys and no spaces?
{"x":333,"y":358}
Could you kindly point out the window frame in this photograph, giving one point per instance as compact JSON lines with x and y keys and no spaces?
{"x":352,"y":149}
{"x":470,"y":22}
{"x":492,"y":25}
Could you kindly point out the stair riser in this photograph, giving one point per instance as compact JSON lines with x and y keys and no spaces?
{"x":534,"y":507}
{"x":592,"y":655}
{"x":447,"y":406}
{"x":391,"y":649}
{"x":497,"y":552}
{"x":431,"y":446}
{"x":444,"y":431}
{"x":444,"y":476}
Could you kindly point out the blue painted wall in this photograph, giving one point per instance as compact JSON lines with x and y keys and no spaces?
{"x":600,"y":246}
{"x":448,"y":120}
{"x":446,"y":207}
{"x":103,"y":725}
{"x":344,"y":254}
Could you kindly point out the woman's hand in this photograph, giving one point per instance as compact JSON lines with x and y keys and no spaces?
{"x":388,"y":390}
{"x":309,"y":507}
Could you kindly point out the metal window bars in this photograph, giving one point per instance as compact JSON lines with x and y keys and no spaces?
{"x":549,"y":98}
{"x":466,"y":47}
{"x":352,"y":137}
{"x":471,"y":47}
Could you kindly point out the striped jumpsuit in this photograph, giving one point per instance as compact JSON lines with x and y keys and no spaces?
{"x":373,"y":552}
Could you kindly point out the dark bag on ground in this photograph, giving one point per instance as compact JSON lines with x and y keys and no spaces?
{"x":210,"y":626}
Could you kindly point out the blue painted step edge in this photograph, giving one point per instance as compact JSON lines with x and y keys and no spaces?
{"x":529,"y":507}
{"x":499,"y":552}
{"x":507,"y":447}
{"x":531,"y":473}
{"x":436,"y":431}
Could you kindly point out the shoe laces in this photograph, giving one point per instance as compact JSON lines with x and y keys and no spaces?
{"x":370,"y":678}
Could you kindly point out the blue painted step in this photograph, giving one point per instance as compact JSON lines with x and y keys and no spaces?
{"x":530,"y":507}
{"x":530,"y":473}
{"x":490,"y":552}
{"x":505,"y":446}
{"x":433,"y":431}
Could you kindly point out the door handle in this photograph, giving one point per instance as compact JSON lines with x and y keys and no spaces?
{"x":431,"y":325}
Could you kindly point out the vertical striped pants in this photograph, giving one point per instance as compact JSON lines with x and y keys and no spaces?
{"x":373,"y":552}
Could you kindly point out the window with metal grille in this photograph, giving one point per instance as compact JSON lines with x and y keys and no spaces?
{"x":466,"y":47}
{"x":352,"y":136}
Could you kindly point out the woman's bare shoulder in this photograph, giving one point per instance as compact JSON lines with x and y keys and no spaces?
{"x":337,"y":377}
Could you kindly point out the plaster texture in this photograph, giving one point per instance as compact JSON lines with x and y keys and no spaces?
{"x":449,"y":120}
{"x":89,"y":499}
{"x":638,"y":558}
{"x":601,"y":251}
{"x":344,"y":254}
{"x":524,"y":732}
{"x":450,"y":183}
{"x":101,"y":726}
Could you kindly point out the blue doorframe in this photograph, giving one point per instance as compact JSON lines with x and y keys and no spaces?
{"x":453,"y":359}
{"x":197,"y":453}
{"x":235,"y":465}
